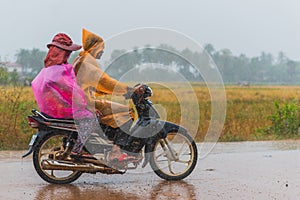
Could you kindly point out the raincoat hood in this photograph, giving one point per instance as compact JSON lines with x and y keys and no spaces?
{"x":91,"y":43}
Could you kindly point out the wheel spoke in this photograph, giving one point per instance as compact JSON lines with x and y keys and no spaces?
{"x":171,"y":151}
{"x":162,"y":160}
{"x":159,"y":155}
{"x":182,"y":146}
{"x":46,"y":153}
{"x":170,"y":168}
{"x":183,"y":161}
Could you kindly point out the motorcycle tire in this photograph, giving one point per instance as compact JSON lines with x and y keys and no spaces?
{"x":49,"y":175}
{"x":168,"y":150}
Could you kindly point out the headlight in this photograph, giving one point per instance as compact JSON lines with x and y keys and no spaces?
{"x":148,"y":91}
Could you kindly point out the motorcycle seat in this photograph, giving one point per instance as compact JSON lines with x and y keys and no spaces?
{"x":52,"y":119}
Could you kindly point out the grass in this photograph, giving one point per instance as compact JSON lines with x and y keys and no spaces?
{"x":248,"y":108}
{"x":15,"y":105}
{"x":247,"y":111}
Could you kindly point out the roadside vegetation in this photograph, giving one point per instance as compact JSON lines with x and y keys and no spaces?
{"x":15,"y":104}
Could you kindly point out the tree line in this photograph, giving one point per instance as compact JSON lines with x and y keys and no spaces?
{"x":262,"y":69}
{"x":265,"y":68}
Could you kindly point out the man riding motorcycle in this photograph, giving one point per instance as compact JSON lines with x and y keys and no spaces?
{"x":96,"y":83}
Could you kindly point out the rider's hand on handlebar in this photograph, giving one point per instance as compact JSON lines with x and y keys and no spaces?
{"x":130,"y":91}
{"x":137,"y":89}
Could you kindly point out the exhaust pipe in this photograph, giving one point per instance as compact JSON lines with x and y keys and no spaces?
{"x":85,"y":167}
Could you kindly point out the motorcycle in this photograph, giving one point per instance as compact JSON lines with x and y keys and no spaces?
{"x":167,"y":147}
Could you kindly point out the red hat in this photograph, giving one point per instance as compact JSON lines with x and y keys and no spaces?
{"x":63,"y":41}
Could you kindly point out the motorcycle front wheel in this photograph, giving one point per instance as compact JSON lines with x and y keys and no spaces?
{"x":50,"y":144}
{"x":174,"y":157}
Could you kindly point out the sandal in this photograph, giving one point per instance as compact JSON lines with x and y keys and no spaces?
{"x":124,"y":157}
{"x":115,"y":156}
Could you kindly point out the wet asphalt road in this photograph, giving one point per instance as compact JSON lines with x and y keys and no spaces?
{"x":244,"y":170}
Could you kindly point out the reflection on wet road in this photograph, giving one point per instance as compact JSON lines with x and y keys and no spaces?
{"x":247,"y":170}
{"x":71,"y":192}
{"x":163,"y":190}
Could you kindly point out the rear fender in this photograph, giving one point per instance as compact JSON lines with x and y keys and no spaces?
{"x":35,"y":140}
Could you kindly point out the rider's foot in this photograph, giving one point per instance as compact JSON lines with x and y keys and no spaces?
{"x":82,"y":155}
{"x":116,"y":156}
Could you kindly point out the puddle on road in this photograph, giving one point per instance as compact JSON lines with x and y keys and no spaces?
{"x":173,"y":190}
{"x":163,"y":190}
{"x":71,"y":192}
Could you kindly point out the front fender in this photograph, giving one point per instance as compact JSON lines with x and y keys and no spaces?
{"x":169,"y":127}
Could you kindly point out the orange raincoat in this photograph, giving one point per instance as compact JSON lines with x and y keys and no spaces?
{"x":97,"y":83}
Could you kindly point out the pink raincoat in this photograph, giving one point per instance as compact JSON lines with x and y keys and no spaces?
{"x":57,"y":93}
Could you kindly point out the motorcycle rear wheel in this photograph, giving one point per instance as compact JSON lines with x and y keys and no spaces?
{"x":42,"y":151}
{"x":175,"y":157}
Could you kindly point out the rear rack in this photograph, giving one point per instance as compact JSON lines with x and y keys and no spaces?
{"x":62,"y":124}
{"x":35,"y":112}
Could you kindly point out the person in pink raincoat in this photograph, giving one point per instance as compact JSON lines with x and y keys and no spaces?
{"x":57,"y":92}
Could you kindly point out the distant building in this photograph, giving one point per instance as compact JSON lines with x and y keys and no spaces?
{"x":10,"y":66}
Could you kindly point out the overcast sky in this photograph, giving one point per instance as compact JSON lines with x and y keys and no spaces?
{"x":243,"y":26}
